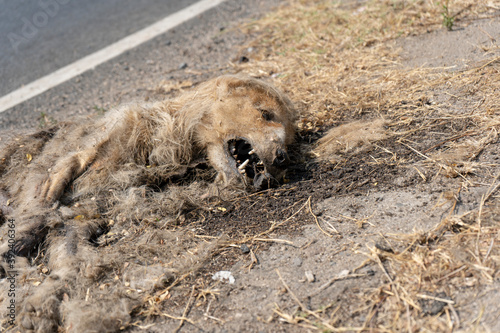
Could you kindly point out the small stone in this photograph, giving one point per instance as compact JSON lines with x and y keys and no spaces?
{"x":383,"y":245}
{"x":224,"y":276}
{"x":297,"y":261}
{"x":310,"y":276}
{"x":433,"y":307}
{"x":183,"y":65}
{"x":318,"y":212}
{"x":243,"y":59}
{"x":344,"y":273}
{"x":168,"y":43}
{"x":244,"y":248}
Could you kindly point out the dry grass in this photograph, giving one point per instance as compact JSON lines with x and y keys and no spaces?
{"x":335,"y":58}
{"x":341,"y":63}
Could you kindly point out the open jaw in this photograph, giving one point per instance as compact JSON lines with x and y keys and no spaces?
{"x":248,"y":162}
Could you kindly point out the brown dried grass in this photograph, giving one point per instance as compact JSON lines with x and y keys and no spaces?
{"x":341,"y":63}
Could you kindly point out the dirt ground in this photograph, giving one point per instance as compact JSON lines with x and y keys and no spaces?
{"x":393,"y":227}
{"x":321,"y":257}
{"x":326,"y":267}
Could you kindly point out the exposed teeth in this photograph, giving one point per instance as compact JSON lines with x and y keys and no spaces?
{"x":260,"y":163}
{"x":243,"y":165}
{"x":251,"y":152}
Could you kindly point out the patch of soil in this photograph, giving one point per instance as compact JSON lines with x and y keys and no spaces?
{"x":356,"y":214}
{"x":468,"y":43}
{"x":335,"y":241}
{"x":317,"y":259}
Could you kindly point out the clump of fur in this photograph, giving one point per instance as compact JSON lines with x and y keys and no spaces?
{"x":351,"y":137}
{"x":117,"y":317}
{"x":95,"y":201}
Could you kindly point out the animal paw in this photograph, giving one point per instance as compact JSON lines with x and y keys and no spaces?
{"x":41,"y":313}
{"x":53,"y":187}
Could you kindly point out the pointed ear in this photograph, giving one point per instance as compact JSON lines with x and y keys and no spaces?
{"x":227,"y":84}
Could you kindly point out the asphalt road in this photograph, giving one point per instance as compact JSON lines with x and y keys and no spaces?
{"x":38,"y":37}
{"x":195,"y":50}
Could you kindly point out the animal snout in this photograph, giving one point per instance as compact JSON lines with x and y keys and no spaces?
{"x":281,"y":160}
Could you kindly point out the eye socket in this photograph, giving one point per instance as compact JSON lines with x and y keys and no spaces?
{"x":267,"y":115}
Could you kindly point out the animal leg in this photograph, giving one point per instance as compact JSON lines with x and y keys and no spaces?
{"x":65,"y":171}
{"x":42,"y":309}
{"x":227,"y":172}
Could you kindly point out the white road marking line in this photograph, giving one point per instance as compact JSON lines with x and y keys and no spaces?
{"x":95,"y":59}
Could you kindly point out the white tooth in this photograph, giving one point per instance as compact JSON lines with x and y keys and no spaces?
{"x":251,"y":152}
{"x":243,"y":165}
{"x":260,"y":163}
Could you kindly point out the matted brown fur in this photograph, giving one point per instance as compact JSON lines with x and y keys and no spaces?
{"x":67,"y":186}
{"x":354,"y":136}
